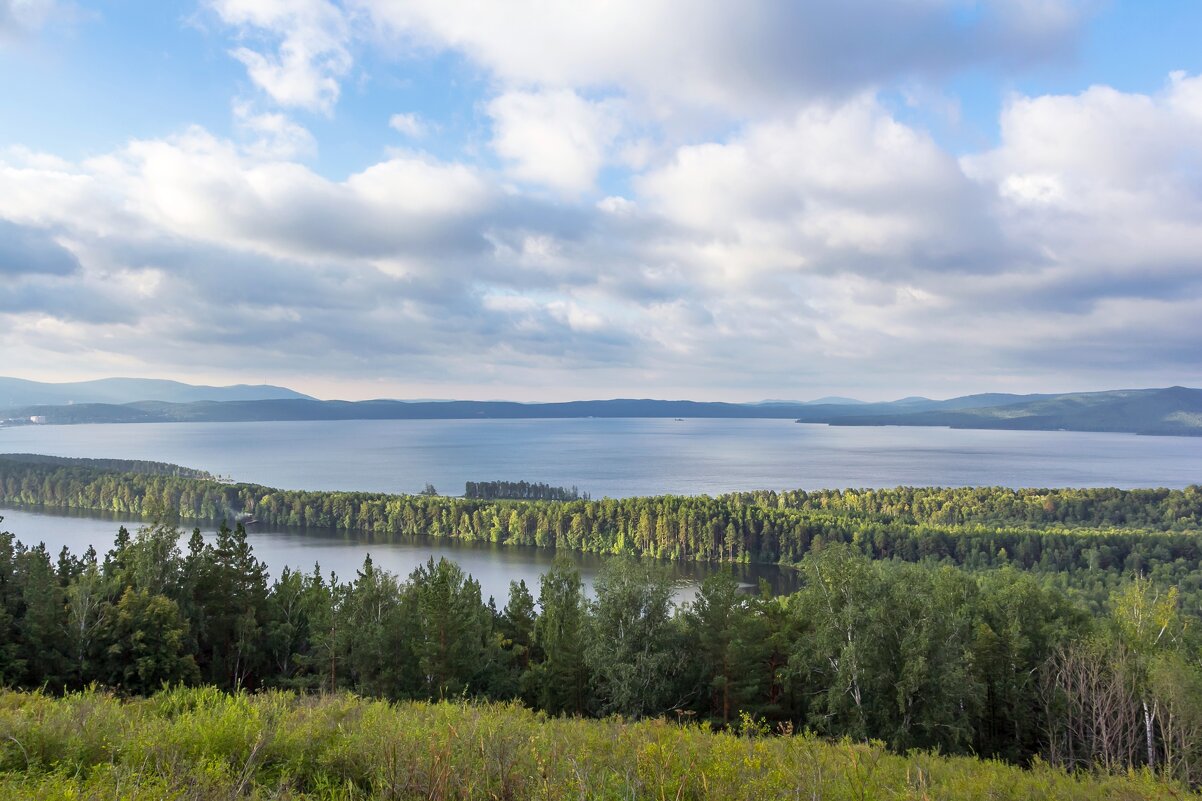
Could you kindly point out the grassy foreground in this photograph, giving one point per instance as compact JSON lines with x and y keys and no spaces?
{"x":205,"y":744}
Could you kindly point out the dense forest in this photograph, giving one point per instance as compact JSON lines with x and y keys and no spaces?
{"x":111,"y":465}
{"x":520,"y":491}
{"x":1030,"y":626}
{"x":1083,"y":541}
{"x":915,"y":656}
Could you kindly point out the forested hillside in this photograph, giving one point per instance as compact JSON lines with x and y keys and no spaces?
{"x":1058,"y":625}
{"x":914,"y":656}
{"x":109,"y":465}
{"x":1169,"y":411}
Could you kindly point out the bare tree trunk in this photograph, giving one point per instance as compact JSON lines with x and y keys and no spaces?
{"x":1149,"y":724}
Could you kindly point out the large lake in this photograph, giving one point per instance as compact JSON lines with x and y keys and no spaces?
{"x":624,"y":457}
{"x":605,"y":457}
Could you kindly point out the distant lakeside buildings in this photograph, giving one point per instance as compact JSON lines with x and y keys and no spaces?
{"x":35,"y":420}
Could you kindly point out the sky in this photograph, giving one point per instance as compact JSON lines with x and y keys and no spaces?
{"x":540,"y":200}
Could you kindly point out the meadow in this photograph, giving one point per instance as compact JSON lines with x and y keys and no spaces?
{"x":202,"y":744}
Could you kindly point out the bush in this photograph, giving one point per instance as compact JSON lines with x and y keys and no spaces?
{"x":198,"y":744}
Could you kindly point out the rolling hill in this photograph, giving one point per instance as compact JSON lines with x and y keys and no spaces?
{"x":1171,"y":411}
{"x":18,"y":392}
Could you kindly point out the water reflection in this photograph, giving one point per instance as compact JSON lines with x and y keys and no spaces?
{"x":342,"y":553}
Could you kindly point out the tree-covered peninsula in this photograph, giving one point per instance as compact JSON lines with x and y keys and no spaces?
{"x":1085,"y":540}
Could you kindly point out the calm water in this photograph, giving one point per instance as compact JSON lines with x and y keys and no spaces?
{"x":606,"y":457}
{"x":624,"y":457}
{"x":492,"y":565}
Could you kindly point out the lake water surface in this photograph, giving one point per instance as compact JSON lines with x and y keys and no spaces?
{"x":494,"y":566}
{"x":625,"y":457}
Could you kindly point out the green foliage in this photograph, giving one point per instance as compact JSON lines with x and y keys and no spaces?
{"x":948,"y":620}
{"x":373,"y":616}
{"x":146,"y":644}
{"x":114,"y":465}
{"x":451,"y":629}
{"x":715,"y":621}
{"x":633,"y":647}
{"x":199,"y":745}
{"x":1099,"y":532}
{"x":515,"y":628}
{"x":560,"y":682}
{"x":42,"y":641}
{"x":229,"y":600}
{"x":520,"y":491}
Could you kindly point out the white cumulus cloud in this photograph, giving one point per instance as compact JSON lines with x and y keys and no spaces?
{"x":297,"y":51}
{"x":273,"y":136}
{"x":829,"y":244}
{"x":410,"y":125}
{"x":554,"y":138}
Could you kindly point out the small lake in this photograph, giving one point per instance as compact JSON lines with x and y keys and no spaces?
{"x":494,"y":566}
{"x":625,"y":457}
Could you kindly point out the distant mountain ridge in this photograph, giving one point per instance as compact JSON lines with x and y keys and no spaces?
{"x":18,"y":392}
{"x":1170,"y":411}
{"x":309,"y":409}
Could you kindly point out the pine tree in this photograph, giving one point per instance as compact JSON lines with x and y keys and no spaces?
{"x":561,"y":680}
{"x":372,"y":603}
{"x":42,"y":628}
{"x":452,"y":631}
{"x":232,"y":590}
{"x":515,"y":627}
{"x":715,"y":618}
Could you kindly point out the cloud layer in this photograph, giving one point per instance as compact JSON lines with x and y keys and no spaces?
{"x":661,"y":201}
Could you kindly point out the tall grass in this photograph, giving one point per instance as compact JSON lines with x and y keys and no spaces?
{"x":194,"y":744}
